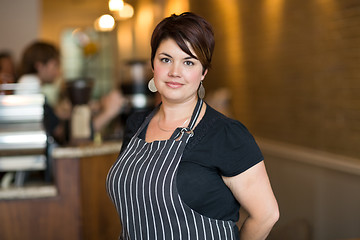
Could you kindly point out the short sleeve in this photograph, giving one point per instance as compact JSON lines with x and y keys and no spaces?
{"x":235,"y":149}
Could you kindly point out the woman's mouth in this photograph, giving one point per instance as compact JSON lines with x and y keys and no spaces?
{"x":173,"y":84}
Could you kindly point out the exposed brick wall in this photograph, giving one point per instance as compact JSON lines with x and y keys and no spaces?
{"x":293,"y":68}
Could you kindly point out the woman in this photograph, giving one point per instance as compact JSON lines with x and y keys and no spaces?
{"x":185,"y":169}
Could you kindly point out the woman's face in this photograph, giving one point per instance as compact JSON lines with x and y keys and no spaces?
{"x":177,"y":75}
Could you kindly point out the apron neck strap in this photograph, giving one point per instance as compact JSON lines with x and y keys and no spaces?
{"x":179,"y":132}
{"x":196,"y":113}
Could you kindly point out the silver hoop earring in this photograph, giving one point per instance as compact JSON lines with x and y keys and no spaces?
{"x":151,"y":85}
{"x":201,"y":91}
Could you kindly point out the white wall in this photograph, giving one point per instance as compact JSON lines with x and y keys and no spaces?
{"x":19,"y":24}
{"x":313,"y":187}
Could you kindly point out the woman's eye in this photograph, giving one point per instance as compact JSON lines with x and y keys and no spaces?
{"x":189,"y":63}
{"x":165,"y":60}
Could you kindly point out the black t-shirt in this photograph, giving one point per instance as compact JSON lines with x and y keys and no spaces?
{"x":51,"y":122}
{"x":220,"y":147}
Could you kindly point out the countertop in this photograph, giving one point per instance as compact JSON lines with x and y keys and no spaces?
{"x":87,"y":150}
{"x":40,"y":191}
{"x":28,"y":192}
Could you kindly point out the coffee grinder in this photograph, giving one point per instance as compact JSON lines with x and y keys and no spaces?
{"x":79,"y":92}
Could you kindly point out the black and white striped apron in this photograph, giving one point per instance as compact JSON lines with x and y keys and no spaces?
{"x":142,"y":185}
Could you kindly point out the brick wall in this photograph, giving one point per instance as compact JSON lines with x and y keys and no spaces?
{"x":293,"y":68}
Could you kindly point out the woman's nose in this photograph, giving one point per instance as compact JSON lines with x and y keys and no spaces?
{"x":174,"y":70}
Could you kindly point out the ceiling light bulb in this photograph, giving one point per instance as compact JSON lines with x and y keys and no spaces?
{"x":127,"y":11}
{"x":116,"y":5}
{"x":105,"y":23}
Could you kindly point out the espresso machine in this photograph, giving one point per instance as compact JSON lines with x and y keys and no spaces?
{"x":135,"y":77}
{"x":23,"y":140}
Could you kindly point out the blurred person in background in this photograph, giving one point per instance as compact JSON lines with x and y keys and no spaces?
{"x":7,"y":69}
{"x":40,"y":64}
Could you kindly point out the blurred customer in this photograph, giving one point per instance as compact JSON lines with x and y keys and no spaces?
{"x":40,"y":64}
{"x":7,"y":69}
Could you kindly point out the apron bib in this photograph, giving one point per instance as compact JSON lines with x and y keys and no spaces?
{"x":142,"y":185}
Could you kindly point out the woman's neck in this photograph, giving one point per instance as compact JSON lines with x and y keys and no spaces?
{"x":176,"y":111}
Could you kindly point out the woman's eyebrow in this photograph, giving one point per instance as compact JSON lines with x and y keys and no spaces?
{"x":168,"y":55}
{"x":185,"y":58}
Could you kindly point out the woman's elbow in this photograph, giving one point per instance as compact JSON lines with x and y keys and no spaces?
{"x":273,"y":215}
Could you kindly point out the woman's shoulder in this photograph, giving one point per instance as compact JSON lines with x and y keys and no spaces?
{"x":136,"y":118}
{"x":215,"y":127}
{"x":230,"y":145}
{"x":28,"y":84}
{"x":133,"y":122}
{"x":220,"y":123}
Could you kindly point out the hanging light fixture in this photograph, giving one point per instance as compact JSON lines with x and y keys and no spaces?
{"x":116,"y":5}
{"x":127,"y":11}
{"x":105,"y":23}
{"x":119,"y":10}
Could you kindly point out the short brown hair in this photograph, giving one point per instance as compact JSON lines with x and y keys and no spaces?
{"x":37,"y":52}
{"x":186,"y":27}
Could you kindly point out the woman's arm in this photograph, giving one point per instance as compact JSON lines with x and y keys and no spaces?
{"x":253,"y":191}
{"x":111,"y":107}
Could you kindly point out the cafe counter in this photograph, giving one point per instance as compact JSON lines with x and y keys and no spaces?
{"x":76,"y":206}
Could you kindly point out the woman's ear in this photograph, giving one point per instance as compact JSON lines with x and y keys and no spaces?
{"x":204,"y":74}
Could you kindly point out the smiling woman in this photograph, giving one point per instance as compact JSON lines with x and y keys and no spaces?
{"x":184,"y":168}
{"x":177,"y":75}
